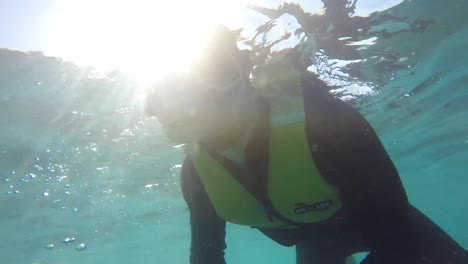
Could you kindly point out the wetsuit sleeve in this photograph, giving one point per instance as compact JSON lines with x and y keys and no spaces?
{"x":370,"y":186}
{"x":207,"y":229}
{"x":371,"y":189}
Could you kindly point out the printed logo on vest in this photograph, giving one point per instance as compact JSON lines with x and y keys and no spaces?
{"x":302,"y":208}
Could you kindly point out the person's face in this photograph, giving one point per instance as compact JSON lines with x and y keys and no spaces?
{"x":212,"y":105}
{"x":221,"y":120}
{"x":207,"y":113}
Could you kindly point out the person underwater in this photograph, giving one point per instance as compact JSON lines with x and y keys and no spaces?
{"x":279,"y":153}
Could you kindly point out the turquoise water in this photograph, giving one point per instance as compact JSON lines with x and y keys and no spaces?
{"x":80,"y":160}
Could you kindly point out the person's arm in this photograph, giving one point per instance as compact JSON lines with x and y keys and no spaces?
{"x":396,"y":231}
{"x":371,"y":189}
{"x":207,"y":229}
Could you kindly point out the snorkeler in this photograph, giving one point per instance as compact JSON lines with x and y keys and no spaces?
{"x":301,"y":166}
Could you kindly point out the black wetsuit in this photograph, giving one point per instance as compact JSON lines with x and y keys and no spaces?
{"x":376,"y":215}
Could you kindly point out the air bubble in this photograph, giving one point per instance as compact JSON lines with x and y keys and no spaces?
{"x":69,"y":239}
{"x":81,"y":247}
{"x":45,"y":194}
{"x":50,"y":246}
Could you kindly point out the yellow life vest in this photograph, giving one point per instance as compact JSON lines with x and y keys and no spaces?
{"x":295,"y":187}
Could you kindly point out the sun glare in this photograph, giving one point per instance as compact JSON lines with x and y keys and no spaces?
{"x":142,"y":38}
